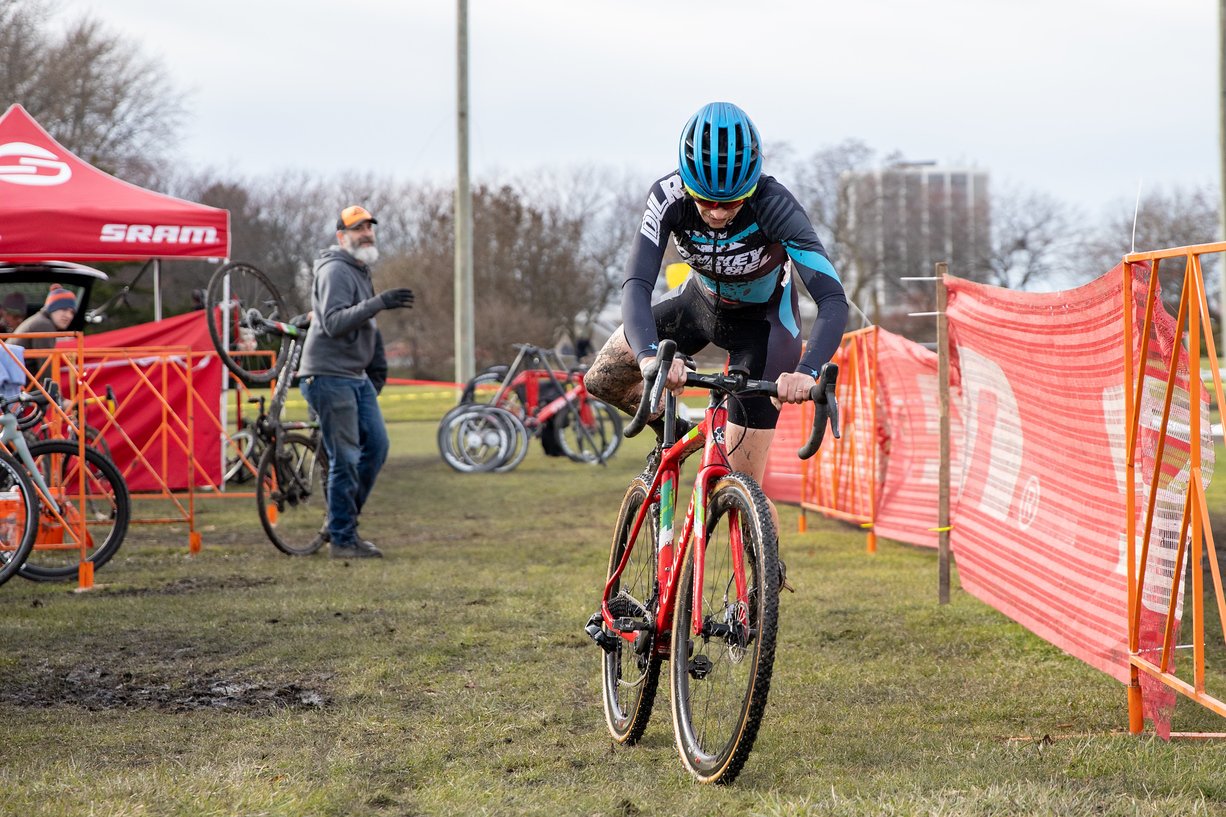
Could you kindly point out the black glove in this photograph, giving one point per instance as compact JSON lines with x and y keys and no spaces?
{"x":401,"y":298}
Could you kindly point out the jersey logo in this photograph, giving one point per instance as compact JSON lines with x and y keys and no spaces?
{"x":673,"y":190}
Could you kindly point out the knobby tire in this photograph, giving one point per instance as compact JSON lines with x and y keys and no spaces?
{"x":720,"y":684}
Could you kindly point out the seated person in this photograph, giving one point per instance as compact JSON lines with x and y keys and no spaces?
{"x":13,"y":312}
{"x":57,"y":313}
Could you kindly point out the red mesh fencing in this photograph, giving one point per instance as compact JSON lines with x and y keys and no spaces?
{"x":1038,"y":463}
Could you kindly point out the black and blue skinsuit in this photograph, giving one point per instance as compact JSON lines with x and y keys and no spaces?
{"x":742,"y":295}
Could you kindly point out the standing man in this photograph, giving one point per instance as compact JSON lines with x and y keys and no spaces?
{"x":340,"y":345}
{"x":56,"y":315}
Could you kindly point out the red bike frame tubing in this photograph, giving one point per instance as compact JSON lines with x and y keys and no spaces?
{"x":714,"y":467}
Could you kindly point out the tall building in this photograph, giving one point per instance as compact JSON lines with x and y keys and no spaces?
{"x":900,"y":221}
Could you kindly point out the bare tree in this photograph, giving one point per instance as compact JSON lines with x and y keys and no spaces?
{"x":1036,"y":239}
{"x":93,"y":90}
{"x":1177,"y":217}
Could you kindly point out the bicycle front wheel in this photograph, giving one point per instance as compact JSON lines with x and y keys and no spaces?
{"x":291,"y":493}
{"x":106,"y":510}
{"x":602,"y":424}
{"x":721,"y":670}
{"x":18,"y":516}
{"x":254,"y":356}
{"x":631,"y":671}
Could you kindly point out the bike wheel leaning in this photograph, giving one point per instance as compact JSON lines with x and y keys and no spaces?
{"x":106,"y":510}
{"x":292,"y":495}
{"x":520,"y":435}
{"x":18,"y":516}
{"x":721,"y":675}
{"x":603,"y":425}
{"x":631,"y":671}
{"x":484,"y":387}
{"x":245,"y":349}
{"x":245,"y":442}
{"x":474,"y":438}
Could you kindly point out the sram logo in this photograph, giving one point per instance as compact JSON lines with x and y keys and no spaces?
{"x":35,"y":167}
{"x":158,"y":234}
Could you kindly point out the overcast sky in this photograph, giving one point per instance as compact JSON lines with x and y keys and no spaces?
{"x":1078,"y":98}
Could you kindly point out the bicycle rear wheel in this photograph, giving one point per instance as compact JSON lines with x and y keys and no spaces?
{"x":630,"y":673}
{"x":603,"y":425}
{"x":245,"y":349}
{"x":107,"y":510}
{"x":721,"y":676}
{"x":18,"y":516}
{"x":292,"y":495}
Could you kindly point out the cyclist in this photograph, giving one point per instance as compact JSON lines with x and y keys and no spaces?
{"x":751,"y":247}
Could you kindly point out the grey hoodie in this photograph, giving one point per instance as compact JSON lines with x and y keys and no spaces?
{"x":341,"y":340}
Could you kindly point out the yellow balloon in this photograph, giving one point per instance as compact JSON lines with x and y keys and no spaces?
{"x":676,"y":274}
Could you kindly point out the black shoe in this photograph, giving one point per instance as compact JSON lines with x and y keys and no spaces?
{"x":357,"y":549}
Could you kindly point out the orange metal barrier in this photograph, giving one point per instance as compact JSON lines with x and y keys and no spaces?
{"x":1193,"y":308}
{"x":841,"y":479}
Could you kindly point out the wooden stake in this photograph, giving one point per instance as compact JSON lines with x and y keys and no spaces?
{"x":943,"y":384}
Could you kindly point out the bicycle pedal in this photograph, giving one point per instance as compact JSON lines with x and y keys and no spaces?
{"x":631,"y":625}
{"x":700,"y":667}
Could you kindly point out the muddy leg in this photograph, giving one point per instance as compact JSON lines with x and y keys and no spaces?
{"x":615,"y":377}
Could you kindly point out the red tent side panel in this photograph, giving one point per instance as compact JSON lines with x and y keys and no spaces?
{"x":53,"y":206}
{"x":141,"y":414}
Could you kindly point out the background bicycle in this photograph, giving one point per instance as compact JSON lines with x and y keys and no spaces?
{"x":259,"y":343}
{"x":706,"y":600}
{"x":549,"y":402}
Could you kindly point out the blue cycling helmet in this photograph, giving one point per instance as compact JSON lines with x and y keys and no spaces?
{"x":721,"y":155}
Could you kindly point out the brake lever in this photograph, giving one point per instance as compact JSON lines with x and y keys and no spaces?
{"x":656,"y":374}
{"x":825,"y":407}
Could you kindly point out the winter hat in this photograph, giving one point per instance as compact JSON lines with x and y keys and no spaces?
{"x":59,"y":298}
{"x":15,"y":302}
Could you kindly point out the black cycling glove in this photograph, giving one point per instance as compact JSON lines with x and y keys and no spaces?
{"x":401,"y":298}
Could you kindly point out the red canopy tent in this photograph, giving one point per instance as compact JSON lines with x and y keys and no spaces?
{"x":55,"y":206}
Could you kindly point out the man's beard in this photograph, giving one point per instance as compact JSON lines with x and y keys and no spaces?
{"x":366,"y":253}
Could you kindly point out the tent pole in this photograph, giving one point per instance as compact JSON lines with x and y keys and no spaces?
{"x":157,"y":289}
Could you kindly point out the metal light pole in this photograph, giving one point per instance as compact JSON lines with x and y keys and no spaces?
{"x":465,"y":343}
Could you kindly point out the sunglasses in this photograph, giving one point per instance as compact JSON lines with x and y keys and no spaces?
{"x":708,"y":204}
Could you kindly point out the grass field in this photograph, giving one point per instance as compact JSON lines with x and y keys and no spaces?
{"x":453,"y":677}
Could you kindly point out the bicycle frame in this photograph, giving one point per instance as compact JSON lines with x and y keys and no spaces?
{"x":530,"y":379}
{"x":708,"y":435}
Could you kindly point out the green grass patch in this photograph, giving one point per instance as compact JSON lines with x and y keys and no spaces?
{"x":453,"y":677}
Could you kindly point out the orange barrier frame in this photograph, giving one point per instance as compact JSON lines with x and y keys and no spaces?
{"x":1194,"y":307}
{"x":851,"y":492}
{"x":58,"y":418}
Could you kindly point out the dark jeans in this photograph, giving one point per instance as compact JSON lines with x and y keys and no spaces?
{"x":356,"y":441}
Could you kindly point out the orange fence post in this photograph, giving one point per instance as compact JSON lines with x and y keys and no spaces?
{"x":1195,"y":308}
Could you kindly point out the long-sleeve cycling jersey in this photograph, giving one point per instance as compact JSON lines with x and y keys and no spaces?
{"x":745,"y":262}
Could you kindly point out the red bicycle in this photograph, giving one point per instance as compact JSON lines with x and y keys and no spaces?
{"x":708,"y":601}
{"x":550,"y":402}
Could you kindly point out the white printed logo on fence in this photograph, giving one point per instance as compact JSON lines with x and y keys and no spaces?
{"x":1029,"y":506}
{"x":31,"y":162}
{"x":981,"y":377}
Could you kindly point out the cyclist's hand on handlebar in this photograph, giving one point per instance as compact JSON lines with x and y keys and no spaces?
{"x":675,"y":382}
{"x":793,"y":387}
{"x":400,"y":298}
